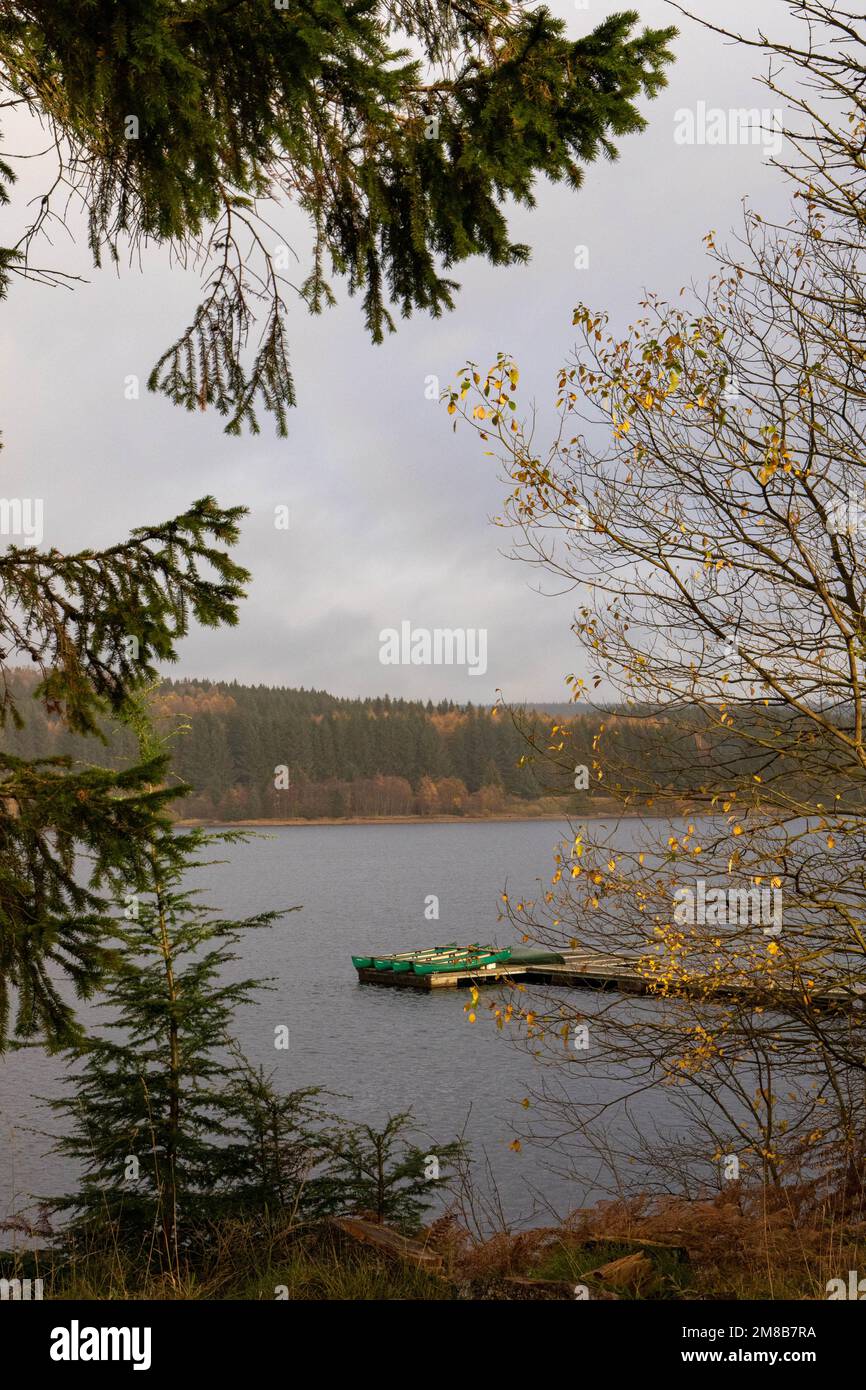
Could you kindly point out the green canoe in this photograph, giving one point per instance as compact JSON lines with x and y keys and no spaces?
{"x":468,"y":959}
{"x":402,"y":960}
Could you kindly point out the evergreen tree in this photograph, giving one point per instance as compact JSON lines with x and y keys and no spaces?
{"x":272,"y":1164}
{"x":172,"y":118}
{"x":379,"y":1171}
{"x":155,"y":1100}
{"x":92,"y":625}
{"x":430,"y":760}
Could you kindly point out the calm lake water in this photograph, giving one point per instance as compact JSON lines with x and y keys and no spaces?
{"x":361,"y":887}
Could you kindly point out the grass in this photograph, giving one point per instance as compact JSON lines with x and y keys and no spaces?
{"x":358,"y":1280}
{"x":736,"y":1245}
{"x":242,"y":1265}
{"x":672,"y":1276}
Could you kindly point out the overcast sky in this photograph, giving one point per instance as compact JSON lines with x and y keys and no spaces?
{"x":390,"y":511}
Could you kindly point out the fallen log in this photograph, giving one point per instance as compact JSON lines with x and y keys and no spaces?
{"x":388,"y":1242}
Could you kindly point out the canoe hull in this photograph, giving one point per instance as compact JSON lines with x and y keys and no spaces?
{"x":402,"y":960}
{"x":462,"y":961}
{"x":436,"y":960}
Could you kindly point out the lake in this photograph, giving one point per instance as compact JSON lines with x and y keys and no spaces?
{"x":362,"y":888}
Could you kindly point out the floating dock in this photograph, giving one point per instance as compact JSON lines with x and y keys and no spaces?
{"x":543,"y":967}
{"x":590,"y":970}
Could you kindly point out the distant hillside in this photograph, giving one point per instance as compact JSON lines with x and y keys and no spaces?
{"x":260,"y":752}
{"x":370,"y":757}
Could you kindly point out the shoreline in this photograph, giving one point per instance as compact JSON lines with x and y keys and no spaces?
{"x":497,"y":818}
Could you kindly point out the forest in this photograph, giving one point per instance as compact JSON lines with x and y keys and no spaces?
{"x":256,"y":752}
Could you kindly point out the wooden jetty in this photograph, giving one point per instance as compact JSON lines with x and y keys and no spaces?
{"x":590,"y":970}
{"x":572,"y":968}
